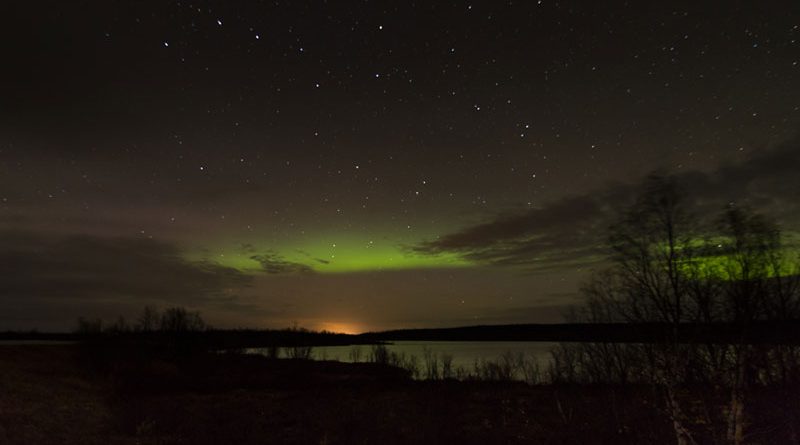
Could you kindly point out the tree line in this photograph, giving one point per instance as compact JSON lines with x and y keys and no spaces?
{"x":172,"y":320}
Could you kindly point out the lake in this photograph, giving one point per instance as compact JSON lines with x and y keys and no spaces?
{"x":463,"y":354}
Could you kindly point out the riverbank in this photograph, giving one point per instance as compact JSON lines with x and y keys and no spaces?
{"x":55,"y":394}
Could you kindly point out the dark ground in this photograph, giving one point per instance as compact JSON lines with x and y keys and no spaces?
{"x":57,"y":395}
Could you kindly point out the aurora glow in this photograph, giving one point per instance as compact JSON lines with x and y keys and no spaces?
{"x":345,"y":255}
{"x":729,"y":267}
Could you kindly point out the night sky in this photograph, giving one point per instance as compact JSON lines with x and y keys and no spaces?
{"x":368,"y":165}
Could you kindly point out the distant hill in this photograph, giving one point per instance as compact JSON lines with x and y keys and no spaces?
{"x":773,"y":332}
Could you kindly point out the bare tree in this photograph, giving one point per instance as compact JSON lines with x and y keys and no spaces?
{"x":302,"y":352}
{"x":754,"y":289}
{"x":667,"y":270}
{"x":178,"y":319}
{"x":149,"y":319}
{"x":355,"y":353}
{"x":651,"y":244}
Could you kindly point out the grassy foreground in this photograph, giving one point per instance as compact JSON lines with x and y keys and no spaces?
{"x":52,"y":394}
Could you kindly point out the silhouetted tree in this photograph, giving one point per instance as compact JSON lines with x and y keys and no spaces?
{"x":753,"y":289}
{"x":302,"y":352}
{"x":149,"y":319}
{"x":355,"y":354}
{"x":273,"y":351}
{"x":178,"y":319}
{"x":651,"y":245}
{"x":667,"y":270}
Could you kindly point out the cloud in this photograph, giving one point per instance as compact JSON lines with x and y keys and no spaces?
{"x":308,"y":255}
{"x":767,"y":181}
{"x":568,"y":231}
{"x":39,"y":270}
{"x":273,"y":263}
{"x":571,"y":232}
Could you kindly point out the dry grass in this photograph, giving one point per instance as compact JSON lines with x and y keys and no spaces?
{"x":47,"y":397}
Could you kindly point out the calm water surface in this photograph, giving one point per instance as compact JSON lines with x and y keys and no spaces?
{"x":464,"y":353}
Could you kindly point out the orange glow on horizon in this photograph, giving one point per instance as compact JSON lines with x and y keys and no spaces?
{"x":341,"y":327}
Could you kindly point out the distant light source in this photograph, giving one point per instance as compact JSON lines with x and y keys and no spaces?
{"x":341,"y":328}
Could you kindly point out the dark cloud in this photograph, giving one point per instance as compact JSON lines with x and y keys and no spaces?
{"x":572,"y":231}
{"x":78,"y":271}
{"x":767,"y":181}
{"x":568,"y":231}
{"x":311,"y":257}
{"x":274,"y":263}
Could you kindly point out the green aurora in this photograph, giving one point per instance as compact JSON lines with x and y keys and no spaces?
{"x":353,"y":253}
{"x":727,"y":265}
{"x":324,"y":255}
